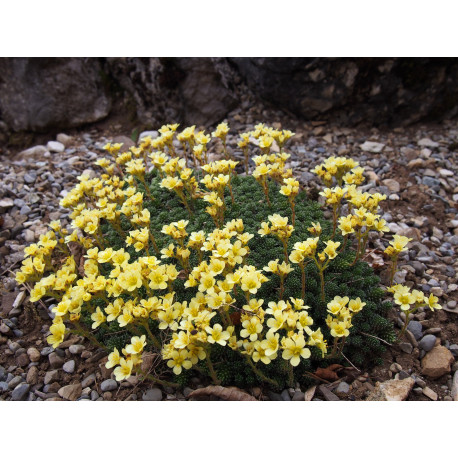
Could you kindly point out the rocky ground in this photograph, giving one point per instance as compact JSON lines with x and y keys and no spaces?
{"x":416,"y":167}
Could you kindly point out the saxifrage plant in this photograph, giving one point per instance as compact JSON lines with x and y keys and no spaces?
{"x":239,"y":278}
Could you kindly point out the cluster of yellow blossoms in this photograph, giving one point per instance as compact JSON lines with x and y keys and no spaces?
{"x":411,"y":300}
{"x":140,"y":291}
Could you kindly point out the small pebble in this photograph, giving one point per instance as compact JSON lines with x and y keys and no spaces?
{"x":69,"y":367}
{"x":153,"y":394}
{"x":109,"y":385}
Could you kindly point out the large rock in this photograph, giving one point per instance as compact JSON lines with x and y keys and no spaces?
{"x":392,"y":390}
{"x":437,"y":362}
{"x":374,"y":90}
{"x":185,"y":89}
{"x":38,"y":94}
{"x":206,"y":97}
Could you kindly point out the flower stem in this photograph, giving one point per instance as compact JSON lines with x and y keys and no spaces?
{"x":322,"y":284}
{"x":259,"y":373}
{"x":214,"y":377}
{"x":153,"y":338}
{"x":302,"y":266}
{"x":394,"y":263}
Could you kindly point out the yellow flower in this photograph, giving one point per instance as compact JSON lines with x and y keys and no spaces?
{"x":278,"y":221}
{"x":284,"y":269}
{"x":124,"y":370}
{"x":272,"y":266}
{"x":432,"y":302}
{"x":339,"y":329}
{"x":399,"y":243}
{"x":346,"y":225}
{"x":331,"y":248}
{"x":217,"y":335}
{"x":98,"y":318}
{"x":270,"y":344}
{"x":125,"y":318}
{"x":113,"y":359}
{"x":158,"y":278}
{"x":404,"y":299}
{"x":207,"y":283}
{"x":221,"y":131}
{"x":113,"y":310}
{"x":294,"y":349}
{"x":57,"y":334}
{"x":250,"y":282}
{"x":265,"y":229}
{"x":296,"y":257}
{"x":418,"y":295}
{"x":260,"y":354}
{"x":179,"y":359}
{"x":251,"y":328}
{"x":355,"y":305}
{"x":130,"y":280}
{"x":137,"y":344}
{"x":277,"y":321}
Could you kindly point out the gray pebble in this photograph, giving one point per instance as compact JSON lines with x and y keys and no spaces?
{"x":109,"y":385}
{"x":15,"y":382}
{"x":46,"y":351}
{"x":20,"y":392}
{"x":454,"y":350}
{"x":25,"y":210}
{"x":406,"y":347}
{"x":3,"y":387}
{"x":342,"y":388}
{"x":29,"y":178}
{"x":69,"y":367}
{"x":187,"y":391}
{"x":285,"y":395}
{"x":2,"y":374}
{"x":274,"y":396}
{"x":403,"y":375}
{"x":14,"y":346}
{"x":416,"y":328}
{"x":88,"y":381}
{"x":427,"y":342}
{"x":76,"y":349}
{"x":154,"y":394}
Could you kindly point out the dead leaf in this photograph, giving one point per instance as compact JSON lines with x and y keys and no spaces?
{"x":227,"y":394}
{"x":236,"y":318}
{"x":77,"y":251}
{"x":328,"y":373}
{"x":182,"y":275}
{"x":375,"y":259}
